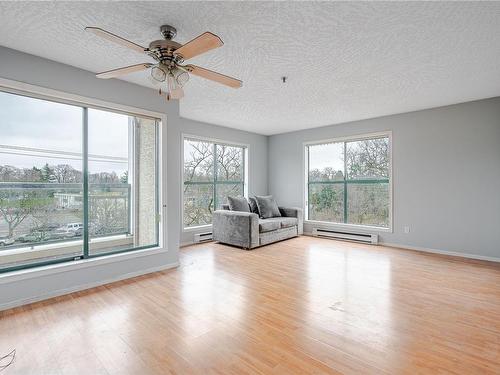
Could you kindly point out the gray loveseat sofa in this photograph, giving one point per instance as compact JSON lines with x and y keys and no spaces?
{"x":248,"y":230}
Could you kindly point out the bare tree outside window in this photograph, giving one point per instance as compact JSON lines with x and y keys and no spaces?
{"x":15,"y":207}
{"x":212,"y":172}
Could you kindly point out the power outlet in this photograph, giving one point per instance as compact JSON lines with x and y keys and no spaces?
{"x":406,"y":229}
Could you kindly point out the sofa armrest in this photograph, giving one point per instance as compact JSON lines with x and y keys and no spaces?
{"x":236,"y":228}
{"x":297,"y":213}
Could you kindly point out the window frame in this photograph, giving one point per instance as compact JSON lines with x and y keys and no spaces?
{"x":216,"y":141}
{"x":305,"y":186}
{"x":85,"y":103}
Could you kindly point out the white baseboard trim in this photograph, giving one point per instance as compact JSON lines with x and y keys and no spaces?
{"x":432,"y":251}
{"x":189,"y":243}
{"x":441,"y":252}
{"x":77,"y":288}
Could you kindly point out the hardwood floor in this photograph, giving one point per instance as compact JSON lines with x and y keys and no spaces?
{"x":301,"y":306}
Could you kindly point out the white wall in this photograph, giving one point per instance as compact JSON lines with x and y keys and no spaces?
{"x":18,"y":66}
{"x":446,"y":172}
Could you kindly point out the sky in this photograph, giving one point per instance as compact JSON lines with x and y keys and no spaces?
{"x":326,"y":155}
{"x":39,"y":124}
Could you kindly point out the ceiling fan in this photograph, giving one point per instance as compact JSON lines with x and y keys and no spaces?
{"x":169,"y":71}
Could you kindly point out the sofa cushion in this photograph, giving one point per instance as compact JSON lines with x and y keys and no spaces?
{"x":268,"y":225}
{"x":238,"y":204}
{"x":288,"y":222}
{"x":277,"y":235}
{"x":253,"y":206}
{"x":267,"y":207}
{"x":274,"y":223}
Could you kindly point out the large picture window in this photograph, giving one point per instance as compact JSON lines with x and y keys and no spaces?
{"x":348,"y":181}
{"x":75,"y":182}
{"x":212,"y":172}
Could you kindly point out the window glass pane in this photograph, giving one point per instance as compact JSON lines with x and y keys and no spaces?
{"x":198,"y":204}
{"x":225,"y":190}
{"x":229,"y":163}
{"x":122,"y":182}
{"x":204,"y":191}
{"x":365,"y":163}
{"x":41,"y":206}
{"x":368,"y":204}
{"x":198,"y":160}
{"x":368,"y":159}
{"x":326,"y":202}
{"x":326,"y":162}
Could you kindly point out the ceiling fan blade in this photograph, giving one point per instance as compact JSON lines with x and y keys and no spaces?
{"x":125,"y":70}
{"x":176,"y":94}
{"x":214,"y":76}
{"x":115,"y":38}
{"x":201,"y":44}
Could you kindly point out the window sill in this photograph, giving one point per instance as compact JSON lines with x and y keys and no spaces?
{"x":363,"y":228}
{"x":63,"y":249}
{"x":35,"y":272}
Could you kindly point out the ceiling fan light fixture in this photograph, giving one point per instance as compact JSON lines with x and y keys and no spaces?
{"x":172,"y":82}
{"x":174,"y":90}
{"x":181,"y":77}
{"x":158,"y":73}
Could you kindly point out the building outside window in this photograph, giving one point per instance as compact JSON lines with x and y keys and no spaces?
{"x":212,"y":172}
{"x":349,"y":181}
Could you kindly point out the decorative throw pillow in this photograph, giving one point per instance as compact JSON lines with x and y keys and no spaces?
{"x":253,"y":206}
{"x":267,"y":207}
{"x":238,"y":204}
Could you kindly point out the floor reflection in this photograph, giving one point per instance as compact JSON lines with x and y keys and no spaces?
{"x":209,"y":294}
{"x":349,"y":291}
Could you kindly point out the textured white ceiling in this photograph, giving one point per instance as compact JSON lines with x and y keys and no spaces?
{"x":344,"y":61}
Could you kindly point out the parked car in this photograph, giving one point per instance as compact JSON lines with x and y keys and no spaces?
{"x":72,"y":227}
{"x":5,"y":241}
{"x":35,"y":236}
{"x":69,"y":230}
{"x":63,"y":233}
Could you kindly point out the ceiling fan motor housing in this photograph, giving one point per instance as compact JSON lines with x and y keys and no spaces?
{"x":163,"y":49}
